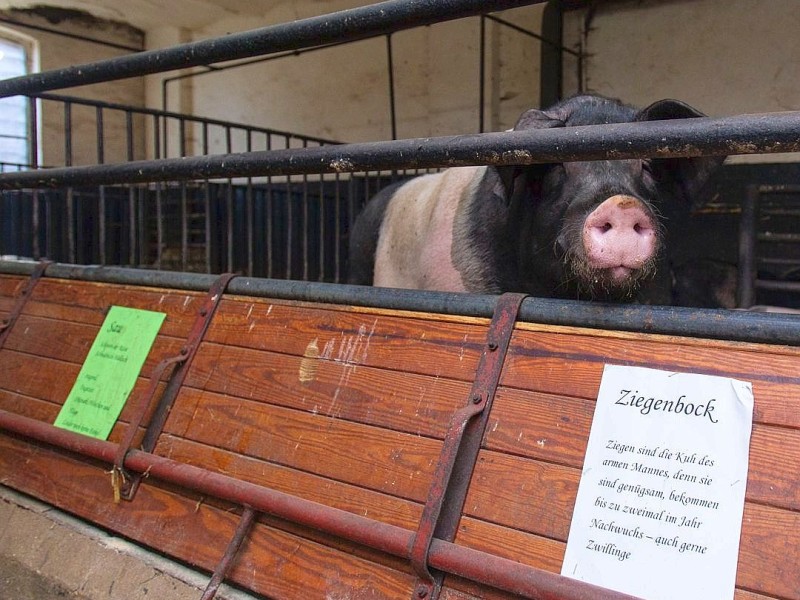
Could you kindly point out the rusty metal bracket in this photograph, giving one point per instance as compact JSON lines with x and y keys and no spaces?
{"x":124,"y":484}
{"x":7,"y":323}
{"x":463,"y":439}
{"x":241,"y":533}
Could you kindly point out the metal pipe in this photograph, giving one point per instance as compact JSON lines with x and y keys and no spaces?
{"x":669,"y":320}
{"x":744,"y":134}
{"x":390,"y":65}
{"x":242,"y":531}
{"x":346,"y":25}
{"x":482,"y":75}
{"x":746,"y":293}
{"x":73,"y":100}
{"x":474,"y":565}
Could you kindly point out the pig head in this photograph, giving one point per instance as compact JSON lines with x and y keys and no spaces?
{"x":592,"y":229}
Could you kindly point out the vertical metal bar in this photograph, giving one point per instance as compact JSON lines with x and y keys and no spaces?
{"x":305,"y":223}
{"x":746,"y":294}
{"x":159,"y":224}
{"x":101,"y":200}
{"x":289,"y":220}
{"x":71,"y":224}
{"x":184,"y":200}
{"x":482,"y":75}
{"x":156,"y":137}
{"x":242,"y":531}
{"x":207,"y":203}
{"x":33,"y":128}
{"x":159,"y":212}
{"x":100,"y":135}
{"x":229,"y":148}
{"x":392,"y":106}
{"x":551,"y":71}
{"x":337,"y":232}
{"x":270,"y":224}
{"x":321,"y":239}
{"x":131,"y":191}
{"x":249,"y":202}
{"x":34,"y":160}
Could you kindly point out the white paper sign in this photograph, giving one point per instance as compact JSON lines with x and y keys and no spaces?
{"x":659,"y":507}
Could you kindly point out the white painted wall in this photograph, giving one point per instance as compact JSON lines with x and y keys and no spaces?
{"x":724,"y":57}
{"x":343,"y":93}
{"x":57,"y":51}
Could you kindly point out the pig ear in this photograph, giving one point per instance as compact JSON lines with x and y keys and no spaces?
{"x":530,"y":119}
{"x":690,"y":174}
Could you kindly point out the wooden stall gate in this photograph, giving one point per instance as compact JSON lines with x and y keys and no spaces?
{"x":331,"y":420}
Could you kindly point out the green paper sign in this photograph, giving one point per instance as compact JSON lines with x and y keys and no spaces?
{"x":110,"y":371}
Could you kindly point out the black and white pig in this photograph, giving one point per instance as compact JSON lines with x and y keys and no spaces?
{"x":590,"y":230}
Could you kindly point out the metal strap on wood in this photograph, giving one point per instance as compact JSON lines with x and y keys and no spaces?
{"x":242,"y":531}
{"x":123,"y":483}
{"x":453,"y":472}
{"x":7,"y":323}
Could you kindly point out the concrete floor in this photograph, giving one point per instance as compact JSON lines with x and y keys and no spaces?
{"x":45,"y":553}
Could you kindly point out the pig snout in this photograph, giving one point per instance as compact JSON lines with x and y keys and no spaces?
{"x":619,"y":237}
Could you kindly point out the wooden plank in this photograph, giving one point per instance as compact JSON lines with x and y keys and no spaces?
{"x":347,"y":408}
{"x":409,"y":345}
{"x":273,"y":562}
{"x":571,"y":364}
{"x":87,"y":302}
{"x":406,"y":402}
{"x":10,"y":285}
{"x":548,"y":428}
{"x":396,"y":463}
{"x":359,"y":500}
{"x":34,"y":378}
{"x":70,"y":341}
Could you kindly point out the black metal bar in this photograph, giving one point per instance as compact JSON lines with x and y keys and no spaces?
{"x":482,"y":76}
{"x":744,"y":134}
{"x":249,"y":210}
{"x":347,"y":25}
{"x":553,"y":42}
{"x":669,"y":320}
{"x":101,"y":198}
{"x":551,"y":72}
{"x":34,"y":159}
{"x":172,"y":115}
{"x":780,"y":286}
{"x":392,"y":106}
{"x":322,"y":239}
{"x":131,"y":191}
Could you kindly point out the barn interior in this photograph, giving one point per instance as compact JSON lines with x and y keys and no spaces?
{"x":454,"y":78}
{"x":448,"y":79}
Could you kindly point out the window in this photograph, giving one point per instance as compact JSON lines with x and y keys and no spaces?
{"x":15,"y":60}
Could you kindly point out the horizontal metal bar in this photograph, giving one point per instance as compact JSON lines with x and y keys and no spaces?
{"x":745,"y":134}
{"x":670,"y":320}
{"x":76,"y":101}
{"x":778,"y":286}
{"x":790,"y":238}
{"x":347,"y":25}
{"x":477,"y":566}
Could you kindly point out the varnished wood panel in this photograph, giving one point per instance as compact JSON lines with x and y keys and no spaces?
{"x":347,"y":407}
{"x":272,"y":562}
